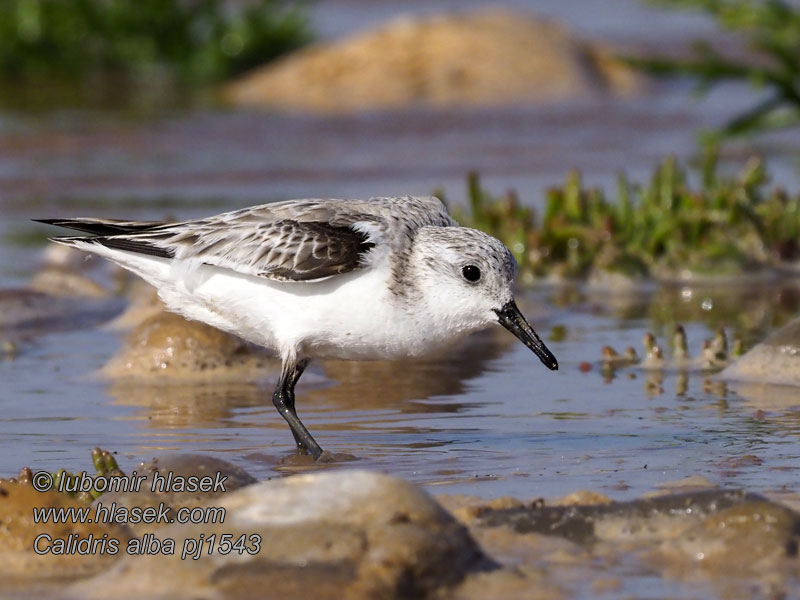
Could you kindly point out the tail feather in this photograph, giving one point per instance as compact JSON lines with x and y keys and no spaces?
{"x":103,"y":226}
{"x":111,"y":233}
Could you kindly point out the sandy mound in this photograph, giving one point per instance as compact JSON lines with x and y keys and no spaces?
{"x":486,"y":58}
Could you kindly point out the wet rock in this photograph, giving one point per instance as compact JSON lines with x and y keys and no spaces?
{"x":732,"y":539}
{"x":467,"y":508}
{"x":64,"y":272}
{"x":747,"y":538}
{"x":18,"y":533}
{"x":528,"y":560}
{"x":486,"y":58}
{"x":195,"y":465}
{"x":62,"y":281}
{"x":167,"y":345}
{"x":328,"y":535}
{"x":165,"y":491}
{"x":776,"y":360}
{"x":32,"y":312}
{"x":647,"y":518}
{"x":744,"y":551}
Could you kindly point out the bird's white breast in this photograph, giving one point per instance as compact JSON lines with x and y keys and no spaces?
{"x":354,"y":316}
{"x":350,"y":316}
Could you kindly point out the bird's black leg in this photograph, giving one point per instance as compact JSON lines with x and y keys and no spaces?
{"x":283,"y":399}
{"x":292,"y":378}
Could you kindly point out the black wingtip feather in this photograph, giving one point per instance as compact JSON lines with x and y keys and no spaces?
{"x":126,"y":244}
{"x":129,"y":245}
{"x":102,"y":227}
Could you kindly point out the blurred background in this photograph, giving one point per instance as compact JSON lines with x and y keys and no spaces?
{"x":160,"y":99}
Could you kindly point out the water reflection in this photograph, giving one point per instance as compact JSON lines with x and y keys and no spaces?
{"x":407,"y":385}
{"x":207,"y":405}
{"x":377,"y":392}
{"x":654,"y":383}
{"x":768,"y":397}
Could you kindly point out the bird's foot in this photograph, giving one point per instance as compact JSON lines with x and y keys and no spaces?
{"x":313,"y":450}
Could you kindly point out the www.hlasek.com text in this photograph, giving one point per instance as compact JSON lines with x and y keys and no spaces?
{"x":125,"y":515}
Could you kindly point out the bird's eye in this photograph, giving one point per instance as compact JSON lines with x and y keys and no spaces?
{"x":471,"y":273}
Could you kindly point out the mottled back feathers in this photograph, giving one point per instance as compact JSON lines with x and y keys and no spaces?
{"x":296,"y":240}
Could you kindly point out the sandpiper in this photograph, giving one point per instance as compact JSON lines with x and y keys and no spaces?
{"x":385,"y":278}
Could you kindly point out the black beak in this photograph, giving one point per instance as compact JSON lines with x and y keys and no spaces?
{"x":510,"y":318}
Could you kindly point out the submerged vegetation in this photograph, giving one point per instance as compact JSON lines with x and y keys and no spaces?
{"x":714,"y":353}
{"x":666,"y":229}
{"x":193,"y":41}
{"x":771,"y":62}
{"x":105,"y":466}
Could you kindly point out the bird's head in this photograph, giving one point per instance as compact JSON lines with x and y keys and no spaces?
{"x":466,"y":279}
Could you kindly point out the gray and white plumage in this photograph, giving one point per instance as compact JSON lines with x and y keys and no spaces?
{"x":319,"y":278}
{"x":296,"y":240}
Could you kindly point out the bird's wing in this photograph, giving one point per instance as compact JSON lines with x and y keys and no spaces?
{"x":296,"y":240}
